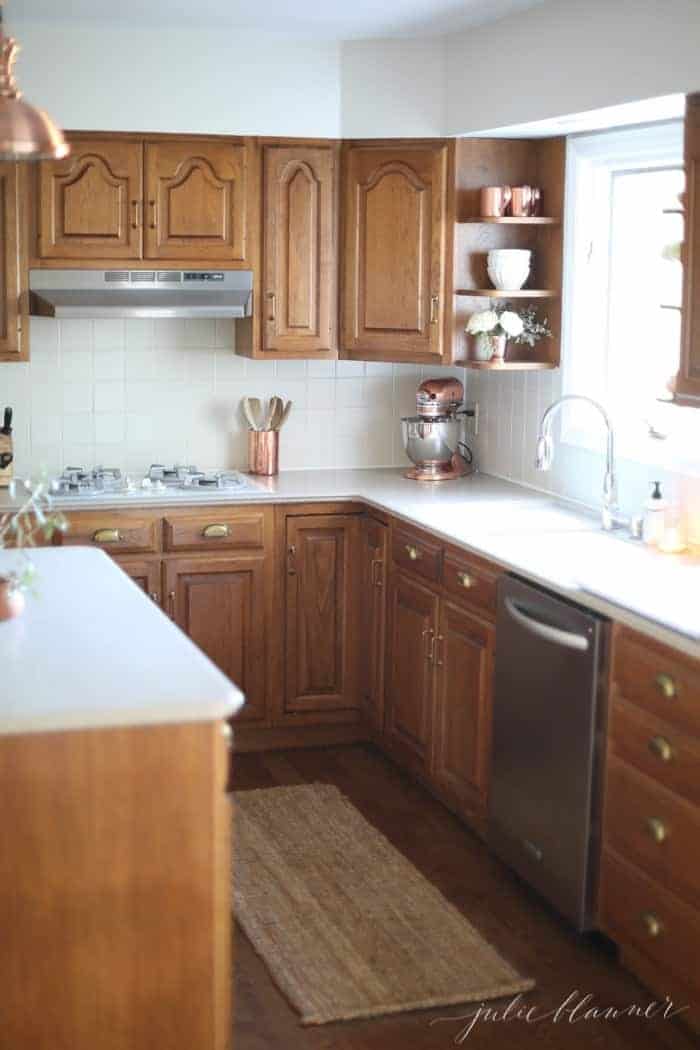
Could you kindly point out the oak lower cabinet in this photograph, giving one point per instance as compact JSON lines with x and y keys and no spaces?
{"x":464,"y":652}
{"x":413,"y":619}
{"x":13,"y":325}
{"x":321,"y":619}
{"x":115,"y":889}
{"x":300,"y":257}
{"x":394,"y":250}
{"x":146,"y":573}
{"x":220,"y":603}
{"x":374,"y":545}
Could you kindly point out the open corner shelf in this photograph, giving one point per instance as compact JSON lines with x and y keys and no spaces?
{"x":515,"y":220}
{"x":499,"y":293}
{"x":508,"y":366}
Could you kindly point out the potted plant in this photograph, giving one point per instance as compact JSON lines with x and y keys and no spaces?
{"x":493,"y":328}
{"x":20,"y":528}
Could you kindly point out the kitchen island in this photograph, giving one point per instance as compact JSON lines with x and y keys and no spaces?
{"x":115,"y":843}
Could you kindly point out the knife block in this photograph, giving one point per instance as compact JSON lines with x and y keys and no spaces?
{"x":7,"y":472}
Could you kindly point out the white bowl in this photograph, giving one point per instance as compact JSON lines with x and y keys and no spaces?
{"x":509,"y":268}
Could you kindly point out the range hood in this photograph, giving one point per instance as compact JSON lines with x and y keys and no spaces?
{"x":141,"y":293}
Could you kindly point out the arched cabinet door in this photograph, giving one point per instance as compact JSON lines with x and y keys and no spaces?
{"x":299,"y":285}
{"x":91,"y":202}
{"x":394,"y":251}
{"x":195,"y":202}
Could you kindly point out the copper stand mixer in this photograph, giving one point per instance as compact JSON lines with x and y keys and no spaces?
{"x":432,"y":438}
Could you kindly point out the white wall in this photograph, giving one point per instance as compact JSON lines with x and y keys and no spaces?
{"x":570,"y":56}
{"x":393,"y":88}
{"x":147,"y":78}
{"x":130,"y":393}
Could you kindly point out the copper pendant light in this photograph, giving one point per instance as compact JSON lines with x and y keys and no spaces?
{"x":26,"y":133}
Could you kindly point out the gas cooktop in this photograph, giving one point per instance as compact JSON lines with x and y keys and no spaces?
{"x":80,"y":483}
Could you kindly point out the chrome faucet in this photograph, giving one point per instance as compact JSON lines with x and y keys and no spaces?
{"x":545,"y":456}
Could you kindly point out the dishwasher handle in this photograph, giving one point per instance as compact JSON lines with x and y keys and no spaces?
{"x":543,"y":630}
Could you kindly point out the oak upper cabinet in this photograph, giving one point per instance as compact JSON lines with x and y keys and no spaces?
{"x":413,"y":621}
{"x":321,"y":648}
{"x":90,"y":203}
{"x":394,"y":251}
{"x":688,"y":382}
{"x":372,"y":600}
{"x":196,"y":200}
{"x":13,"y":334}
{"x":220,"y":603}
{"x":299,"y":300}
{"x":462,"y":712}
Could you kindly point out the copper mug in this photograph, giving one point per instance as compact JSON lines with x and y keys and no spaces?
{"x":521,"y":200}
{"x":263,"y":451}
{"x":495,"y":201}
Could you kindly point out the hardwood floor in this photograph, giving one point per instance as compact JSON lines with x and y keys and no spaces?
{"x":505,"y":911}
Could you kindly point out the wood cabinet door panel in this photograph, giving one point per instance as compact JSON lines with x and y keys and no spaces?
{"x":10,"y":262}
{"x":90,"y":202}
{"x":219,"y":603}
{"x":413,"y":625}
{"x":320,"y":624}
{"x":196,"y":200}
{"x":373,"y":571}
{"x":299,"y":293}
{"x":462,"y":725}
{"x":394,"y":251}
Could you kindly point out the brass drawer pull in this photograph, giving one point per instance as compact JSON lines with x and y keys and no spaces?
{"x":657,"y":829}
{"x":106,"y":536}
{"x":377,"y":566}
{"x":465,"y":580}
{"x":215,"y":532}
{"x":154,"y":214}
{"x":434,"y":304}
{"x":413,"y":552}
{"x":136,"y":221}
{"x":652,"y":924}
{"x":272,"y":300}
{"x":666,"y":685}
{"x":659,"y":746}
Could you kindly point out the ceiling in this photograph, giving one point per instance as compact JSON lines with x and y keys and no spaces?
{"x":330,"y":19}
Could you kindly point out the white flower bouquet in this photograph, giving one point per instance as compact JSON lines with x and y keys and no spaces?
{"x":495,"y":326}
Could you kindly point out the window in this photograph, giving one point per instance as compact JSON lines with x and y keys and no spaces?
{"x":623,"y":286}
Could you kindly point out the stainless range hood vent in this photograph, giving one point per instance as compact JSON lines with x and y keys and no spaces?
{"x":141,"y":293}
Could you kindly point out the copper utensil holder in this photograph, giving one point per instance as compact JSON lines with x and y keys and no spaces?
{"x":263,"y":451}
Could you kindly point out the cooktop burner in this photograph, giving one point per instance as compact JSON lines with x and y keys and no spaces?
{"x":82,"y":483}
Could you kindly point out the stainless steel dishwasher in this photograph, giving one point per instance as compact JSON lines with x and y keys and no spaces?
{"x":548,"y":687}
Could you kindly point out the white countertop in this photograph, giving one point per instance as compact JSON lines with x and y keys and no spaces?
{"x":91,"y":650}
{"x":550,"y":541}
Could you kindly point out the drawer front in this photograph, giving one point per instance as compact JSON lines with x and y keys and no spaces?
{"x":471,"y":581}
{"x":657,"y":749}
{"x":115,"y":532}
{"x":658,"y":679}
{"x":640,"y":914}
{"x":216,"y":529}
{"x":417,"y":554}
{"x":654,"y":829}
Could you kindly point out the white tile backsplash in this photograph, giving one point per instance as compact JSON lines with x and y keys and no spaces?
{"x":127,"y":393}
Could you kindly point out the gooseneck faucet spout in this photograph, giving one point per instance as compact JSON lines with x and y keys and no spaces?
{"x":544,"y":456}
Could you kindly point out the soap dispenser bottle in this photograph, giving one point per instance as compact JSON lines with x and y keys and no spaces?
{"x":654,"y":517}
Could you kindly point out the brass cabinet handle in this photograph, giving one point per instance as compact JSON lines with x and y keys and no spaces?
{"x":171,"y":605}
{"x":465,"y":580}
{"x":154,"y":214}
{"x":652,"y":924}
{"x":438,"y":651}
{"x":215,"y":532}
{"x":154,"y":597}
{"x":106,"y":536}
{"x":429,"y":633}
{"x":377,"y":572}
{"x":227,"y":734}
{"x":666,"y":685}
{"x":659,"y":746}
{"x":291,"y":560}
{"x":136,"y":221}
{"x":657,"y":829}
{"x":434,"y":303}
{"x":272,"y":299}
{"x":413,"y":552}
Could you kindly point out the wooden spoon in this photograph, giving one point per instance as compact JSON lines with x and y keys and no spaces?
{"x":251,"y":411}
